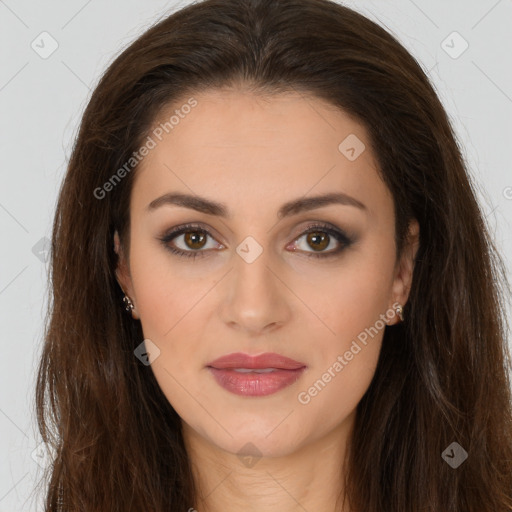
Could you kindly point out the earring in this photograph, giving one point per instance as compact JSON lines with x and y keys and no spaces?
{"x":128,"y":303}
{"x":400,"y":312}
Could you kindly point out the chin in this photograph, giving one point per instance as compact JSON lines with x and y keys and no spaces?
{"x":259,"y":437}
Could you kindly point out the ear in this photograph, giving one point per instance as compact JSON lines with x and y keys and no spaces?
{"x":123,"y":273}
{"x":404,"y":269}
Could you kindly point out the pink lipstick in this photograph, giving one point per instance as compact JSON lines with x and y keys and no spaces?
{"x":246,"y":375}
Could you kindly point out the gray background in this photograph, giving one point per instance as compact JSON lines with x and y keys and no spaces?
{"x":41,"y":100}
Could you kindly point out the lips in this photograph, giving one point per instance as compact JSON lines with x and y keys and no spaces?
{"x":260,"y":375}
{"x":261,"y":362}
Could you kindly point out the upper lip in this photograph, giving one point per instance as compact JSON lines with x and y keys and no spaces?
{"x":261,"y":361}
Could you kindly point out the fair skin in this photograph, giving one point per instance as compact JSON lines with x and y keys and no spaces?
{"x":253,"y":155}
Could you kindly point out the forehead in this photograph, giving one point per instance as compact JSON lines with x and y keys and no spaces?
{"x":239,"y":147}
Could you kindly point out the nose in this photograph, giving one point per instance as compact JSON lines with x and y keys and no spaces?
{"x":256,"y":299}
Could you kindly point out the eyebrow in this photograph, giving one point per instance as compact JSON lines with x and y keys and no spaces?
{"x":288,"y":209}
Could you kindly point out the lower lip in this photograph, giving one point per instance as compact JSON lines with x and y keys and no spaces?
{"x":255,"y":384}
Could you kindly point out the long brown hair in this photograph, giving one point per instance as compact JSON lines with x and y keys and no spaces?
{"x":443,"y":375}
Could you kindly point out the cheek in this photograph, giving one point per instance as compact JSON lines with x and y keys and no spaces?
{"x":351,"y":296}
{"x":345,"y":359}
{"x":352,"y":306}
{"x":331,"y":395}
{"x":172,"y":315}
{"x":169,"y":305}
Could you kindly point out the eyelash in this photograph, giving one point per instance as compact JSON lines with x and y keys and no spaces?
{"x":339,"y":236}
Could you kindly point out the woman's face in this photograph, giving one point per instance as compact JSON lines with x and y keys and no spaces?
{"x":270,"y":272}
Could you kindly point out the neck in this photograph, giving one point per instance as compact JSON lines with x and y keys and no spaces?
{"x":310,"y":478}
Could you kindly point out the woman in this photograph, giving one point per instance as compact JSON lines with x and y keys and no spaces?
{"x":272,"y":285}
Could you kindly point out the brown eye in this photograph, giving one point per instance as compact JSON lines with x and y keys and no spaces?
{"x":189,"y":241}
{"x":195,"y":239}
{"x":318,"y":240}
